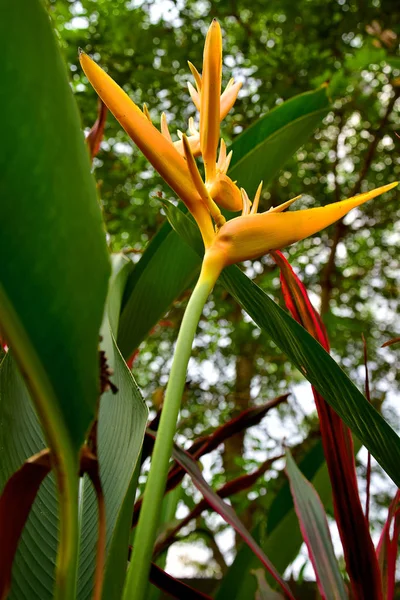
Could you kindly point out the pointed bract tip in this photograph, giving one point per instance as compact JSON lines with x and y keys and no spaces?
{"x":80,"y":51}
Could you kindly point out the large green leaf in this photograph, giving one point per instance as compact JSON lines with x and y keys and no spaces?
{"x":262,"y":150}
{"x":309,"y":357}
{"x":55,"y":264}
{"x":167,"y":267}
{"x":122,"y":421}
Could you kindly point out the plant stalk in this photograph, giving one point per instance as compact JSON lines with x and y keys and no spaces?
{"x":67,"y":561}
{"x":136,"y":584}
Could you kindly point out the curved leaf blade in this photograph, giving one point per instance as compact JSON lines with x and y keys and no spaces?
{"x":282,"y":524}
{"x":46,"y":183}
{"x":316,"y":534}
{"x":262,"y":150}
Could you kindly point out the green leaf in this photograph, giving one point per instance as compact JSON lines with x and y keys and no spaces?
{"x":122,"y":421}
{"x":262,"y":150}
{"x":165,"y":270}
{"x":54,"y":281}
{"x":393,"y":61}
{"x":167,"y":266}
{"x":55,"y":269}
{"x":365,"y":56}
{"x":316,"y":534}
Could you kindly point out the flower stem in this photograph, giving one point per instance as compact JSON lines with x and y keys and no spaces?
{"x":138,"y":571}
{"x":67,"y":562}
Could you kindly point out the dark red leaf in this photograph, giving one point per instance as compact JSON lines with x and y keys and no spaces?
{"x":15,"y":504}
{"x":387,"y":548}
{"x":173,"y":586}
{"x":247,"y":418}
{"x":185,"y":460}
{"x":361,"y":562}
{"x":132,"y":359}
{"x":95,"y":135}
{"x":368,"y":397}
{"x":297,"y":301}
{"x":395,"y":340}
{"x":239,"y":484}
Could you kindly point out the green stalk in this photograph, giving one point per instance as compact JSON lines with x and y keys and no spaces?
{"x":67,"y":553}
{"x":136,"y":583}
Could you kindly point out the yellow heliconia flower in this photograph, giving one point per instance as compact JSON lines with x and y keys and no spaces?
{"x":248,"y":236}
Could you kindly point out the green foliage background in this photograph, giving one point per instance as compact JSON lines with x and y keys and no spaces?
{"x":278,"y":49}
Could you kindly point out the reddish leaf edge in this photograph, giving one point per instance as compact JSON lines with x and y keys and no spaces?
{"x":388,"y":547}
{"x":361,"y":562}
{"x":368,"y":397}
{"x":95,"y":135}
{"x":311,"y":536}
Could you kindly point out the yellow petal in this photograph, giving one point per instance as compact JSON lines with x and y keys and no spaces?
{"x":256,"y":200}
{"x":226,"y":193}
{"x":157,"y":149}
{"x":200,"y":185}
{"x":196,"y":75}
{"x":284,"y":206}
{"x":246,"y":202}
{"x":164,"y":127}
{"x":194,"y":142}
{"x":222,"y":156}
{"x":146,"y":112}
{"x":210,"y":99}
{"x":228,"y":99}
{"x":252,"y":236}
{"x":195,"y":96}
{"x":193,"y":169}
